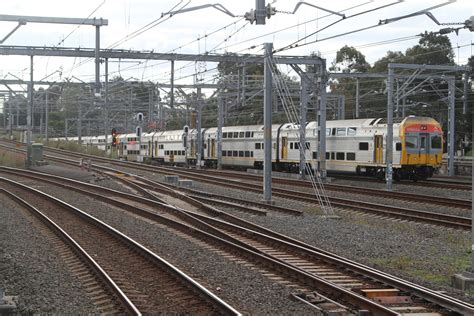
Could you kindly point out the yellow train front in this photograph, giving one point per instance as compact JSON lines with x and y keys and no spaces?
{"x":422,"y":148}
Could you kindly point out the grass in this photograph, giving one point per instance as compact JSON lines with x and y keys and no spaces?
{"x":418,"y":269}
{"x":71,"y":146}
{"x":10,"y":159}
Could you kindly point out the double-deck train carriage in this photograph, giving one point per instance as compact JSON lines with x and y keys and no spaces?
{"x":171,"y":148}
{"x":287,"y":147}
{"x":357,"y":146}
{"x":238,"y":145}
{"x":101,"y":142}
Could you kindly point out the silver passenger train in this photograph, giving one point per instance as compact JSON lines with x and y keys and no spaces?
{"x":356,"y":146}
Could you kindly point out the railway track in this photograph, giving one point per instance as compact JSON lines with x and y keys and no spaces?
{"x":465,"y":204}
{"x":433,"y":183}
{"x":149,"y":283}
{"x":297,"y":259}
{"x":439,"y":219}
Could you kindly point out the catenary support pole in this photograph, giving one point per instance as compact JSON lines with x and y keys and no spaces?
{"x":220,"y":123}
{"x":172,"y":85}
{"x":357,"y":99}
{"x":97,"y":60}
{"x":267,"y":121}
{"x":10,"y":117}
{"x":451,"y":122}
{"x":303,"y":111}
{"x":46,"y":115}
{"x":106,"y":106}
{"x":322,"y":122}
{"x":199,"y":132}
{"x":389,"y":140}
{"x":79,"y":124}
{"x":29,"y":118}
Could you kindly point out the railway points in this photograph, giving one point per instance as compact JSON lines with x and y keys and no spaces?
{"x":256,"y":175}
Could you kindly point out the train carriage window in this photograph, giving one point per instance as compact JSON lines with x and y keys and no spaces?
{"x":315,"y":155}
{"x":333,"y":156}
{"x":297,"y":145}
{"x":241,"y":153}
{"x":328,"y":156}
{"x":229,"y":153}
{"x":308,"y":145}
{"x":341,"y":131}
{"x":340,"y":156}
{"x":422,"y":142}
{"x":263,"y":145}
{"x":411,"y":142}
{"x":224,"y":135}
{"x":333,"y":131}
{"x":251,"y":134}
{"x":224,"y":153}
{"x":236,"y":134}
{"x":436,"y":142}
{"x":247,"y":153}
{"x":230,"y":135}
{"x":251,"y":154}
{"x":398,"y":146}
{"x":247,"y":134}
{"x":364,"y":146}
{"x":350,"y":156}
{"x":166,"y":152}
{"x":351,"y":131}
{"x":235,"y":153}
{"x":291,"y":145}
{"x":241,"y":134}
{"x":258,"y":146}
{"x":328,"y":132}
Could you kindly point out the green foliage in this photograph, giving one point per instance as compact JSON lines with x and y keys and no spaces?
{"x":349,"y":59}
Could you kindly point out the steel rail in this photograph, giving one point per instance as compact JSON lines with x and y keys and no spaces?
{"x":211,"y":298}
{"x":320,"y":284}
{"x":442,"y":300}
{"x":127,"y":305}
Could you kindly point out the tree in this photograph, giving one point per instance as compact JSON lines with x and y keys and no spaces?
{"x":432,"y":49}
{"x":349,"y":59}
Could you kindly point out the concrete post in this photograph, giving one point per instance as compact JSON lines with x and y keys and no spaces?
{"x":303,"y":111}
{"x":220,"y":123}
{"x":451,"y":123}
{"x":389,"y":139}
{"x":267,"y":100}
{"x":357,"y":99}
{"x":199,"y":132}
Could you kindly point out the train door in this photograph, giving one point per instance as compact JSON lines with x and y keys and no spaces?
{"x":213,"y":148}
{"x":208,"y":148}
{"x":284,"y":148}
{"x":156,"y":148}
{"x":424,"y":148}
{"x":378,"y":148}
{"x":150,"y":149}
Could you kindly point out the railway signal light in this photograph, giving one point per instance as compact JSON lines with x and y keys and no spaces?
{"x":114,"y":137}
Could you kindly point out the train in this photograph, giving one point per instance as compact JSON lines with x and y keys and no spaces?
{"x":353,"y":146}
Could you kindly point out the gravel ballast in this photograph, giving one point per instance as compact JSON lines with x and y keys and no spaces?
{"x":31,"y":268}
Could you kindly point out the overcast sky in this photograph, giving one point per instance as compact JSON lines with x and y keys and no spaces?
{"x":126,"y":16}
